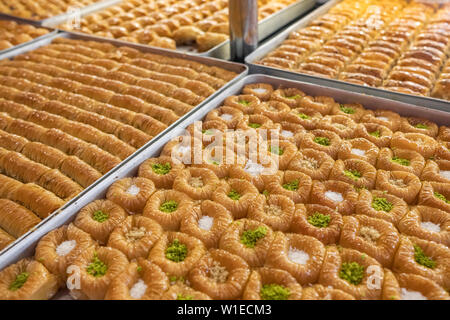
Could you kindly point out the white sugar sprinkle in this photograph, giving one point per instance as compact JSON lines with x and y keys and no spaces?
{"x":383,"y":118}
{"x":445,"y":174}
{"x":205,"y":223}
{"x":260,"y":90}
{"x":430,"y":226}
{"x":138,"y":290}
{"x":133,"y":190}
{"x":287,"y":133}
{"x":358,"y":152}
{"x":412,"y":295}
{"x":64,"y":248}
{"x":334,"y":196}
{"x":226,"y":117}
{"x":298,"y":256}
{"x":253,"y":168}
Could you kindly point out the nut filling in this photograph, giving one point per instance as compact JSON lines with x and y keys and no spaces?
{"x":217,"y":272}
{"x":196,"y":182}
{"x":135,"y":234}
{"x":309,"y":163}
{"x":273,"y":210}
{"x":369,"y":234}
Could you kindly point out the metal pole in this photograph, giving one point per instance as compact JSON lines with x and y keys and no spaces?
{"x":243,"y":16}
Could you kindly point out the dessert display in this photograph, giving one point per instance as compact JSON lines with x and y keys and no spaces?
{"x":168,"y":23}
{"x":334,"y":215}
{"x":13,"y":33}
{"x":72,"y":110}
{"x":400,"y":46}
{"x":41,"y":9}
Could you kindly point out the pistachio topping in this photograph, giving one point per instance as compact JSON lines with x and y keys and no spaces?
{"x":352,"y":272}
{"x":274,"y":292}
{"x":319,"y":220}
{"x":177,"y":251}
{"x":161,"y":168}
{"x":250,"y":237}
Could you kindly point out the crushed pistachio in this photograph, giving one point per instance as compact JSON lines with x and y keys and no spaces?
{"x":422,"y":259}
{"x":208,"y":132}
{"x":346,"y":110}
{"x":234,"y":195}
{"x":276,"y":150}
{"x":291,"y":186}
{"x":184,"y":297}
{"x":177,"y":251}
{"x":319,"y":220}
{"x":250,"y":237}
{"x":293,"y":97}
{"x":353,"y":174}
{"x":169,"y":206}
{"x":274,"y":292}
{"x":441,"y":197}
{"x":20,"y":280}
{"x":324,"y":141}
{"x":254,"y":125}
{"x":266,"y":193}
{"x":401,"y":161}
{"x":161,"y":168}
{"x":375,"y":133}
{"x":244,"y":102}
{"x":139,"y":269}
{"x":97,"y":268}
{"x":303,"y":116}
{"x":352,"y":272}
{"x":421,"y":126}
{"x":381,"y":204}
{"x":100,"y":216}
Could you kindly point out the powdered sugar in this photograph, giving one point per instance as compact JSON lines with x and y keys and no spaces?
{"x":138,"y":289}
{"x":287,"y":133}
{"x":65,"y":247}
{"x":298,"y":256}
{"x":226,"y":116}
{"x":205,"y":223}
{"x":358,"y":152}
{"x":254,"y":169}
{"x":412,"y":295}
{"x":334,"y":196}
{"x":133,"y":190}
{"x":430,"y":226}
{"x":445,"y":174}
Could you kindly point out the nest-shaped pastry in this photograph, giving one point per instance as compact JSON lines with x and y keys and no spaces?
{"x":261,"y":90}
{"x":292,"y":184}
{"x":183,"y":292}
{"x":220,"y":274}
{"x":256,"y":122}
{"x":290,"y":96}
{"x":387,"y":118}
{"x":16,"y":219}
{"x":376,"y":237}
{"x":322,"y":140}
{"x":307,"y":118}
{"x":276,"y":212}
{"x":248,"y":239}
{"x":381,"y":205}
{"x":274,"y":110}
{"x":291,"y":132}
{"x":206,"y":222}
{"x":321,"y":104}
{"x":425,"y":258}
{"x":219,"y":158}
{"x":176,"y":253}
{"x":354,"y":171}
{"x":314,"y":163}
{"x":438,"y":170}
{"x":141,"y":280}
{"x":184,"y":149}
{"x":419,"y":125}
{"x":353,"y":272}
{"x":162,"y":171}
{"x":353,"y":111}
{"x":131,"y":193}
{"x":99,"y":218}
{"x":167,"y":207}
{"x":302,"y":256}
{"x":236,"y":196}
{"x":378,"y":134}
{"x":208,"y":131}
{"x":135,"y":236}
{"x":244,"y":102}
{"x":318,"y":221}
{"x":421,"y":143}
{"x":59,"y":248}
{"x":97,"y":268}
{"x":427,"y":223}
{"x":27,"y":280}
{"x":272,"y":284}
{"x":282,"y":151}
{"x":319,"y":292}
{"x":435,"y":194}
{"x":337,"y":195}
{"x":228,"y":115}
{"x":401,"y":160}
{"x":359,"y":148}
{"x":197,"y":183}
{"x":406,"y":286}
{"x":442,"y":151}
{"x":444,"y":133}
{"x":401,"y":184}
{"x":343,"y":126}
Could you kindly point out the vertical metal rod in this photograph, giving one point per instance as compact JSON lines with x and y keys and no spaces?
{"x":243,"y":16}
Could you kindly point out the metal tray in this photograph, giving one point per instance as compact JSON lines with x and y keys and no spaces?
{"x":84,"y":197}
{"x":266,"y":28}
{"x":68,"y":15}
{"x":50,"y":33}
{"x":25,"y":248}
{"x":273,"y":43}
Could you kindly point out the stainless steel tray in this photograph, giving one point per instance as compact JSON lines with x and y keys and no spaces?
{"x":84,"y":197}
{"x":25,"y":248}
{"x":273,"y":43}
{"x":266,"y":27}
{"x":50,"y":33}
{"x":67,"y":15}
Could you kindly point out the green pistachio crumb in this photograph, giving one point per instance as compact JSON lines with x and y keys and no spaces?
{"x":276,"y":150}
{"x":184,"y":297}
{"x":303,"y":116}
{"x":274,"y":292}
{"x":421,"y":126}
{"x":293,"y":97}
{"x":382,"y":204}
{"x":234,"y":195}
{"x":161,"y":168}
{"x":291,"y":186}
{"x":97,"y":268}
{"x":244,"y":102}
{"x":352,"y":272}
{"x":250,"y":237}
{"x":422,"y":259}
{"x":169,"y":206}
{"x":347,"y":110}
{"x":353,"y":174}
{"x":324,"y":141}
{"x":375,"y":134}
{"x":100,"y":216}
{"x":401,"y":161}
{"x":20,"y":280}
{"x":319,"y":220}
{"x":441,"y":197}
{"x":254,"y":125}
{"x":177,"y":251}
